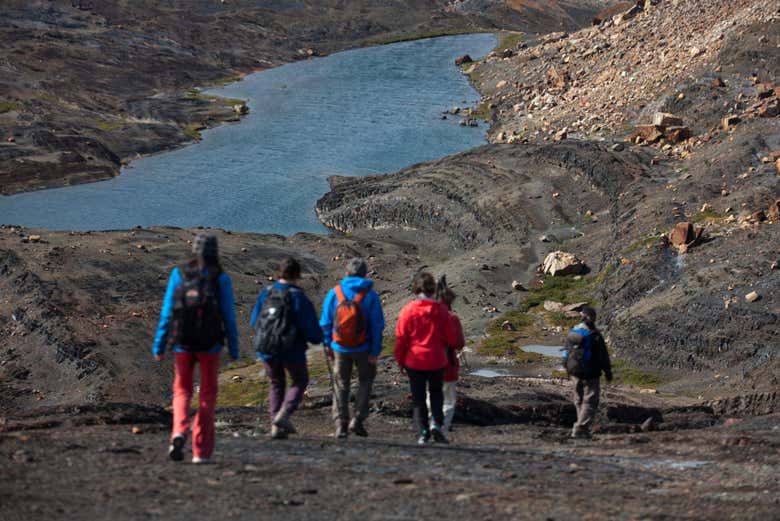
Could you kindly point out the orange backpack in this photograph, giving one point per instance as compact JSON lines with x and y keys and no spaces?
{"x":349,"y":324}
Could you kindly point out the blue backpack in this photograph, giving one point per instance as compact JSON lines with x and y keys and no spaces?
{"x":578,"y":358}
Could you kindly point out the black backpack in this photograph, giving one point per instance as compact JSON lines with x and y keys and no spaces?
{"x":275,"y":329}
{"x":197,"y":319}
{"x":578,"y":357}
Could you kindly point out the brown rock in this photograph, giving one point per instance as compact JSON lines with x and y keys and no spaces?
{"x":34,"y":238}
{"x":685,"y":235}
{"x":777,"y":166}
{"x":664,"y":119}
{"x":729,"y":122}
{"x":556,"y":79}
{"x":769,"y":109}
{"x":765,"y":90}
{"x":463,"y":59}
{"x":752,"y":296}
{"x":718,"y":82}
{"x":676,"y":135}
{"x":774,"y":210}
{"x":648,"y":133}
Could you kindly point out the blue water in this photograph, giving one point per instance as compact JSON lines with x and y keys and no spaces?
{"x":360,"y":112}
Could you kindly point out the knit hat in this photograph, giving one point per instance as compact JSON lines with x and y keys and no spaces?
{"x":204,"y":245}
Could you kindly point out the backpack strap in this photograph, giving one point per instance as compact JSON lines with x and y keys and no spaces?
{"x":359,"y":297}
{"x":339,"y":293}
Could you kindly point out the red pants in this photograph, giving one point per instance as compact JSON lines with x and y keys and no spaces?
{"x":203,"y":430}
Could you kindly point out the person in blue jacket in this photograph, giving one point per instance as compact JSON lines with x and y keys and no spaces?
{"x":204,"y":262}
{"x":359,"y":346}
{"x":293,"y":360}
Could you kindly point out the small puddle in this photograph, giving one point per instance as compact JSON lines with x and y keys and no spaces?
{"x":551,"y":351}
{"x":491,"y":373}
{"x":673,"y":464}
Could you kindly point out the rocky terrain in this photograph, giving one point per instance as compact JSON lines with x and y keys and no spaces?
{"x":86,"y":86}
{"x":646,"y":146}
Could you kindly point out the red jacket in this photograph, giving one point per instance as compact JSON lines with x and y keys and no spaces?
{"x":423,"y":331}
{"x":453,"y":365}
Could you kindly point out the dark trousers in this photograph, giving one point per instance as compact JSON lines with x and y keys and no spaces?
{"x":421,"y":383}
{"x":278,"y":398}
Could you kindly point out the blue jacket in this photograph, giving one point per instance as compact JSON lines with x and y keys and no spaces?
{"x":305,"y":319}
{"x":226,"y":307}
{"x":372,"y":307}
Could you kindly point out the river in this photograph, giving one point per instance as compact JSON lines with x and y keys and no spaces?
{"x":360,"y":112}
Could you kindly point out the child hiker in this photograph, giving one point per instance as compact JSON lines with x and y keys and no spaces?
{"x":285,"y":320}
{"x":423,"y":332}
{"x":196,"y":318}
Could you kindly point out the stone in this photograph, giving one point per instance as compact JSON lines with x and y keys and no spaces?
{"x":717,"y":82}
{"x":765,"y":90}
{"x":507,"y":53}
{"x":501,"y":84}
{"x":685,"y":235}
{"x":774,"y":211}
{"x":507,"y":326}
{"x":752,"y":296}
{"x":551,"y":305}
{"x":460,"y":60}
{"x":647,"y":133}
{"x":648,"y":391}
{"x":729,"y":122}
{"x":136,"y":430}
{"x":769,"y":109}
{"x":648,"y":425}
{"x":560,"y":263}
{"x":561,"y":135}
{"x":241,"y":109}
{"x":556,"y":79}
{"x":777,"y":165}
{"x":695,"y":51}
{"x":758,"y":216}
{"x":517,"y":286}
{"x":34,"y":238}
{"x":618,"y":147}
{"x":676,"y":135}
{"x":664,"y":119}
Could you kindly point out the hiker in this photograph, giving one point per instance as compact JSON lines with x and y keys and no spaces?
{"x":352,"y":322}
{"x":284,"y":320}
{"x":585,"y":357}
{"x":445,"y":295}
{"x":423,"y":332}
{"x":196,"y":318}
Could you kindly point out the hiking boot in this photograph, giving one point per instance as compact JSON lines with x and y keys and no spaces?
{"x":438,"y":436}
{"x":357,"y":428}
{"x":581,"y":435}
{"x":424,"y":438}
{"x":282,"y":420}
{"x":175,"y":450}
{"x":341,"y":431}
{"x":277,"y":433}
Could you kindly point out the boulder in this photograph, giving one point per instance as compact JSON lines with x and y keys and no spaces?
{"x":574,"y":307}
{"x":551,"y":305}
{"x":765,"y":90}
{"x":729,"y":122}
{"x":676,"y":135}
{"x":664,"y":119}
{"x":460,"y":60}
{"x":647,"y":133}
{"x":556,"y":79}
{"x":684,"y":235}
{"x":560,"y":263}
{"x":769,"y":109}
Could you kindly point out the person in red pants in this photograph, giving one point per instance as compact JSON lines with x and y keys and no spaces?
{"x":197,"y":318}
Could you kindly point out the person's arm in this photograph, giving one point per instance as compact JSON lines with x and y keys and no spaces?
{"x":606,"y":364}
{"x":228,"y":308}
{"x":326,"y":319}
{"x":307,"y":320}
{"x":166,"y":314}
{"x":376,"y":324}
{"x":401,"y":340}
{"x":460,"y":341}
{"x":258,"y":306}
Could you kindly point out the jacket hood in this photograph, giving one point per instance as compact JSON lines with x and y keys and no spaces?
{"x":356,"y":284}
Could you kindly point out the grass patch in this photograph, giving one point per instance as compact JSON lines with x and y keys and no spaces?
{"x":246,"y":393}
{"x":567,"y":290}
{"x":508,"y":40}
{"x":228,"y":79}
{"x":192,"y":130}
{"x":707,"y":216}
{"x":483,"y":111}
{"x":8,"y":106}
{"x":388,"y":345}
{"x":195,"y":94}
{"x":635,"y":377}
{"x":643,"y":244}
{"x":110,"y":126}
{"x":503,"y":344}
{"x":420,"y":35}
{"x":240,"y":363}
{"x":558,"y":318}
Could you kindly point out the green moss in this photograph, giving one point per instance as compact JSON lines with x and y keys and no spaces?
{"x":228,"y":79}
{"x":568,"y":290}
{"x":483,"y":111}
{"x":508,"y":40}
{"x":635,"y":377}
{"x":192,"y":130}
{"x":109,"y":126}
{"x":246,"y":393}
{"x":707,"y":216}
{"x":517,"y":318}
{"x":242,"y":362}
{"x":558,"y":318}
{"x":388,"y":345}
{"x":426,"y":34}
{"x":195,"y":94}
{"x":504,"y":344}
{"x":8,"y":106}
{"x":644,"y":243}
